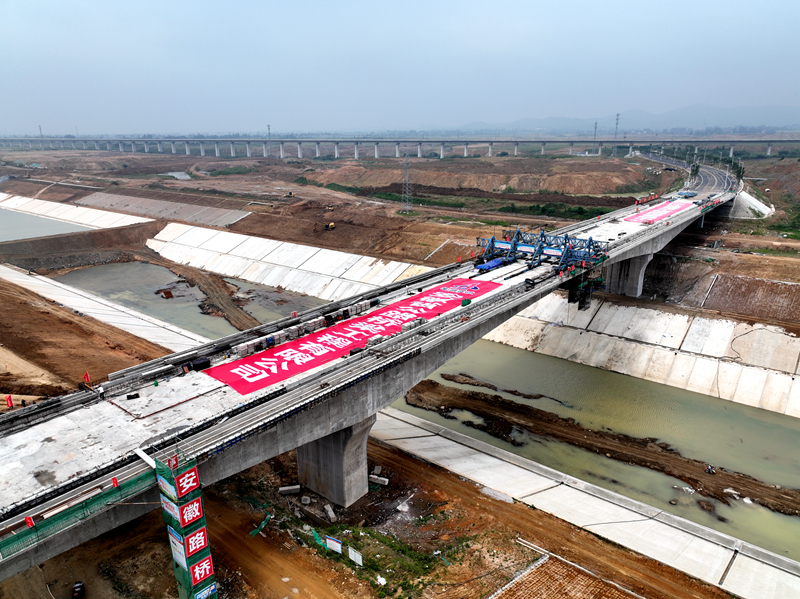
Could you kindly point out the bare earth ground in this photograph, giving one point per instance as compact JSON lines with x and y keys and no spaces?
{"x":61,"y":344}
{"x":476,"y":534}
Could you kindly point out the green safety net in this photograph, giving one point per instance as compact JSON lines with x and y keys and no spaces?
{"x":23,"y":538}
{"x":261,"y":526}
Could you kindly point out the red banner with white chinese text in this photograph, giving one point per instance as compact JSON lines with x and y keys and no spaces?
{"x":315,"y":349}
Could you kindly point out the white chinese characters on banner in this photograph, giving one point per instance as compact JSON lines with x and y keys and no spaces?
{"x":188,"y":481}
{"x":190,"y":512}
{"x":275,"y":365}
{"x":201,"y":570}
{"x":196,"y":541}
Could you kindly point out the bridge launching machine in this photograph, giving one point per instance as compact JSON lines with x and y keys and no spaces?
{"x":568,"y":256}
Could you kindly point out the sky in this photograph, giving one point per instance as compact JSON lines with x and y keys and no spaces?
{"x":110,"y":67}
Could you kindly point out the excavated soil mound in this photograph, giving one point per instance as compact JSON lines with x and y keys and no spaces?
{"x":762,"y":299}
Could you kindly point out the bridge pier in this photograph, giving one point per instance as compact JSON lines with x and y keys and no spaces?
{"x":769,"y":150}
{"x":419,"y":150}
{"x":248,"y":149}
{"x":283,"y":150}
{"x":121,"y":149}
{"x":160,"y":147}
{"x":146,"y":149}
{"x":491,"y":145}
{"x":355,"y":150}
{"x":216,"y":149}
{"x":299,"y":149}
{"x":108,"y":145}
{"x":730,"y":154}
{"x":397,"y":150}
{"x":317,"y":149}
{"x":627,"y":276}
{"x":174,"y":151}
{"x":133,"y":147}
{"x":466,"y":148}
{"x":516,"y":149}
{"x":264,"y":149}
{"x":335,"y":466}
{"x":233,"y":150}
{"x":600,"y":149}
{"x":571,"y":148}
{"x":543,"y":144}
{"x":202,"y":149}
{"x":336,"y":150}
{"x":377,"y":153}
{"x":700,"y":222}
{"x":441,"y":151}
{"x":187,"y":148}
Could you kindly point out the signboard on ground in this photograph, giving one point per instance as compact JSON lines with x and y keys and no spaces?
{"x":274,"y":365}
{"x":333,"y":544}
{"x":355,"y":556}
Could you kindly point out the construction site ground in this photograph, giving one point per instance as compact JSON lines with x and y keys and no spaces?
{"x":48,"y":348}
{"x":474,"y":534}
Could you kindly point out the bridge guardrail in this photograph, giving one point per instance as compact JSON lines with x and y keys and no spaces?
{"x":15,"y":541}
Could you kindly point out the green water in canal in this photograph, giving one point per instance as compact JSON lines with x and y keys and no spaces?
{"x":739,"y":438}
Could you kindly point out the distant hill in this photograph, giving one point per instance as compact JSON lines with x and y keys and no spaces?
{"x":698,"y":117}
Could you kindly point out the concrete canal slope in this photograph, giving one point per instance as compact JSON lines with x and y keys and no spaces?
{"x":736,"y":566}
{"x":751,"y":364}
{"x":327,"y":274}
{"x":87,"y":217}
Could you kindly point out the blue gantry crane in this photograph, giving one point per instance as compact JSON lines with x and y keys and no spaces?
{"x":562,"y":251}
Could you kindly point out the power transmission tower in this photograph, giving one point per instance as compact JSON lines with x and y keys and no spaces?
{"x":405,"y":206}
{"x":616,"y":128}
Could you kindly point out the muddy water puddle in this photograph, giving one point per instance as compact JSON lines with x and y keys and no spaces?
{"x":18,"y":225}
{"x":156,"y":291}
{"x":739,"y":438}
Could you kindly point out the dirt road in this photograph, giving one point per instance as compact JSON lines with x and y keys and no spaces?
{"x":475,"y":532}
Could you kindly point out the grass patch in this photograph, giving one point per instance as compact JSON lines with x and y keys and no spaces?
{"x":558,"y":210}
{"x":234,"y":170}
{"x":343,"y":188}
{"x":786,"y":252}
{"x":304,"y":181}
{"x":396,"y":197}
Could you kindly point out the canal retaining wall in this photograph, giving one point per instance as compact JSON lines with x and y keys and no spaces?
{"x":748,"y":363}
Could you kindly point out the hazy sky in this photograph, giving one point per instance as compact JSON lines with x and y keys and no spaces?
{"x":171,"y":66}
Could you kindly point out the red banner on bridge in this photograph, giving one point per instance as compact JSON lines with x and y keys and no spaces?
{"x":657,"y":213}
{"x":315,"y":349}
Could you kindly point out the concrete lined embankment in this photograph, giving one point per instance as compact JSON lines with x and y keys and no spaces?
{"x":751,"y":364}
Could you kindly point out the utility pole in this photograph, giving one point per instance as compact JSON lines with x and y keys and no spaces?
{"x":405,"y":206}
{"x":40,"y":131}
{"x":616,"y":128}
{"x":594,"y":141}
{"x":269,"y":139}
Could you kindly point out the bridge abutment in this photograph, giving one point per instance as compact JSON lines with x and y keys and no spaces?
{"x":335,"y":466}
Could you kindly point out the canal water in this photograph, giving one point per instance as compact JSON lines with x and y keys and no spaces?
{"x":756,"y":442}
{"x":17,"y":225}
{"x":157,"y":291}
{"x":748,"y":440}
